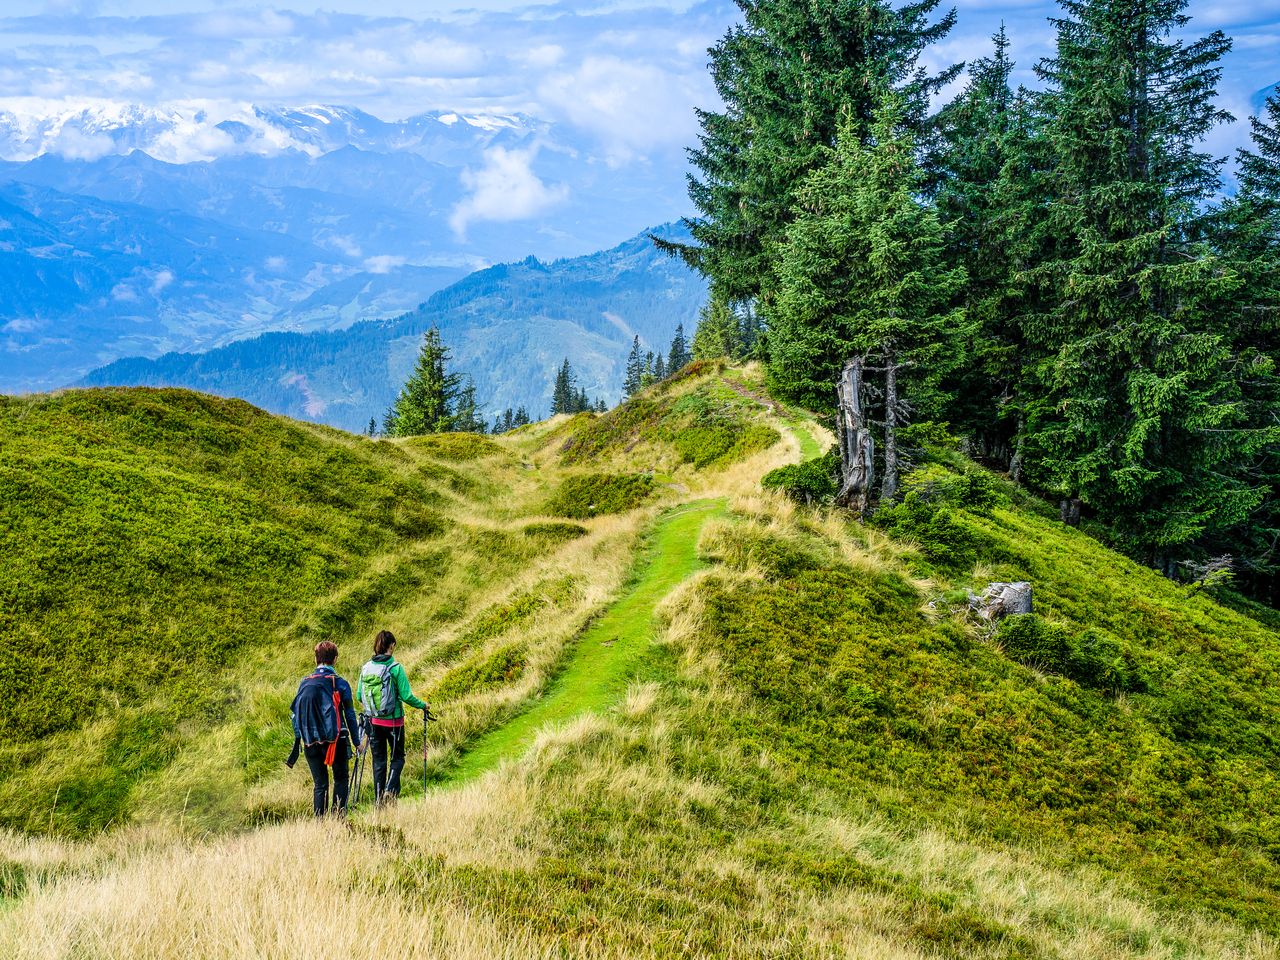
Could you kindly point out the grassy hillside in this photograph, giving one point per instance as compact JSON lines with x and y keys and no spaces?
{"x":822,"y":752}
{"x":168,"y":559}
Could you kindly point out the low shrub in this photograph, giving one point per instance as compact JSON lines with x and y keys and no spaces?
{"x":945,"y":542}
{"x":1092,"y":657}
{"x":592,"y":494}
{"x":932,"y":512}
{"x":974,"y":490}
{"x":505,"y":665}
{"x":811,"y":482}
{"x":456,"y":446}
{"x":554,"y":532}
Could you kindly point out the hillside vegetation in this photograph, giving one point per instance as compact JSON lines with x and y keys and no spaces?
{"x":816,"y":749}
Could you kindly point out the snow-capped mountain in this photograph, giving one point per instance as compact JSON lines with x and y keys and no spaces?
{"x":191,"y":132}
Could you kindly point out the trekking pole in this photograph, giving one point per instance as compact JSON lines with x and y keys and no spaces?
{"x":357,"y":771}
{"x":427,"y":717}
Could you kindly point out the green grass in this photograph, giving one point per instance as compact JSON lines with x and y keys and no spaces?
{"x":809,"y":448}
{"x":824,"y":755}
{"x":698,"y":418}
{"x":147,"y":538}
{"x":858,"y":688}
{"x":606,"y":656}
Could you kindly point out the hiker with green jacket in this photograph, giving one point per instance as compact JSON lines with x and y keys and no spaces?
{"x":382,"y":691}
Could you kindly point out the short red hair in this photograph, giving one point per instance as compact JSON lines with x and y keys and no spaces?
{"x":326,"y":652}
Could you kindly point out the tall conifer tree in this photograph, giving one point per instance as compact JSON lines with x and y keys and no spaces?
{"x":717,"y":334}
{"x":979,"y":175}
{"x":862,"y":274}
{"x":787,"y":74}
{"x":426,"y":402}
{"x":633,"y":380}
{"x":679,"y":355}
{"x":1139,"y":413}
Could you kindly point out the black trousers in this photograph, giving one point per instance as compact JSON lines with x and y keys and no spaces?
{"x":387,"y":741}
{"x":320,"y":776}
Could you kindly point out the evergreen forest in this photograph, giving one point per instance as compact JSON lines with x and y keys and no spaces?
{"x":1057,"y":274}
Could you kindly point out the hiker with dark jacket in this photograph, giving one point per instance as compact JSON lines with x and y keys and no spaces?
{"x":382,"y":691}
{"x":324,"y":722}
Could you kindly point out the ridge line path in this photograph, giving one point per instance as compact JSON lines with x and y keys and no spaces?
{"x":602,"y":660}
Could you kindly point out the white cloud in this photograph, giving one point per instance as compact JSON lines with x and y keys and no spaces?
{"x":77,"y":145}
{"x":383,"y":264}
{"x":275,"y":264}
{"x":343,"y":244}
{"x":543,"y":56}
{"x":504,"y":189}
{"x":235,"y":24}
{"x":633,"y":107}
{"x":160,"y":281}
{"x":123,"y":293}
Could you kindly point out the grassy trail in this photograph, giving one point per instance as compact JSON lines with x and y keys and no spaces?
{"x":604,"y":658}
{"x":809,"y":449}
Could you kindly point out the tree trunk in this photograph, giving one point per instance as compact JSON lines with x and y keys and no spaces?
{"x":889,"y":486}
{"x":1069,"y":510}
{"x":857,"y":449}
{"x":1015,"y":462}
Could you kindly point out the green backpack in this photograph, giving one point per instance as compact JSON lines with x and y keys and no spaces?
{"x":378,"y":694}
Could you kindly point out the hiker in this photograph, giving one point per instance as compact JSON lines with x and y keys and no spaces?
{"x":382,"y":690}
{"x":324,"y":723}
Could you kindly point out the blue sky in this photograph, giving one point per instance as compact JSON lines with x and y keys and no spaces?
{"x":625,"y":73}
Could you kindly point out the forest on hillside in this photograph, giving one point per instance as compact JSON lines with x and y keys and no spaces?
{"x":1056,"y":274}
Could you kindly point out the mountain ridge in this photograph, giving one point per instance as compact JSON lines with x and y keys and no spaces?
{"x":509,"y":327}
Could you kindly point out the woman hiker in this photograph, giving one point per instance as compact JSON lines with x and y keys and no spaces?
{"x":382,"y":691}
{"x":324,"y":722}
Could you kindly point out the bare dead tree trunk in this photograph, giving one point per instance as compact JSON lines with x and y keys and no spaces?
{"x":857,"y":449}
{"x":1015,"y":461}
{"x":889,"y":486}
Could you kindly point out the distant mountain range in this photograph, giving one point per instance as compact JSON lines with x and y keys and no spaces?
{"x":134,"y":231}
{"x":182,"y":133}
{"x":509,"y":327}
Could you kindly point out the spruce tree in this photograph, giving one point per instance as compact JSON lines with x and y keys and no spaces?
{"x":1246,"y":230}
{"x":646,"y":369}
{"x":786,"y":75}
{"x":678,"y":356}
{"x":717,"y":334}
{"x":562,"y":393}
{"x":1139,"y":414}
{"x":372,"y":429}
{"x":895,"y":307}
{"x":521,"y":417}
{"x":659,"y":367}
{"x":426,"y":402}
{"x":635,"y":370}
{"x":980,"y":176}
{"x":468,"y":416}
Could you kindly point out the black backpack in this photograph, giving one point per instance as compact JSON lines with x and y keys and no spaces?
{"x":318,"y":709}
